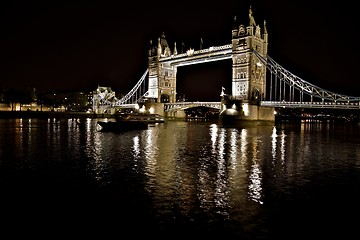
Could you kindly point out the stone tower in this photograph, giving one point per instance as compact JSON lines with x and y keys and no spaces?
{"x":162,"y":76}
{"x":248,"y":73}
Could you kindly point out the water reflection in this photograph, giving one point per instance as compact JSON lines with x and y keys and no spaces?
{"x":220,"y":166}
{"x":136,"y":148}
{"x":255,"y":176}
{"x":188,"y":172}
{"x":184,"y":162}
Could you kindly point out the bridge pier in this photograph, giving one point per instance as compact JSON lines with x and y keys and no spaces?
{"x":154,"y":107}
{"x":233,"y":110}
{"x":178,"y":114}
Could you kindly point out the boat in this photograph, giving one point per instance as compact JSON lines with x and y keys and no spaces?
{"x":143,"y":117}
{"x":120,"y":125}
{"x":126,"y":122}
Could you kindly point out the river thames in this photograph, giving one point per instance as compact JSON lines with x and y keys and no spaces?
{"x":179,"y":179}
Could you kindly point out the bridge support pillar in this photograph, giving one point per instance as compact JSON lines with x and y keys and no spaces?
{"x":241,"y":110}
{"x":179,"y":114}
{"x":154,"y":107}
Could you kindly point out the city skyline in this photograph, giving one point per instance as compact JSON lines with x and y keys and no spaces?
{"x":80,"y":46}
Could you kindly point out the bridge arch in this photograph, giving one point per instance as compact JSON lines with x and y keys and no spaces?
{"x":164,"y":98}
{"x":255,"y":94}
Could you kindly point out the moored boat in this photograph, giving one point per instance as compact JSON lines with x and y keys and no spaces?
{"x":126,"y":122}
{"x":121,"y":125}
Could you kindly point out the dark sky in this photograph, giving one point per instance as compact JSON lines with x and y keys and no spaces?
{"x":78,"y":45}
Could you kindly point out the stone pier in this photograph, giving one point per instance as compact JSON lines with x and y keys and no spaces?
{"x":241,"y":110}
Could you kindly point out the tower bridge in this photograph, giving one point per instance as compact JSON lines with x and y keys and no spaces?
{"x":259,"y":84}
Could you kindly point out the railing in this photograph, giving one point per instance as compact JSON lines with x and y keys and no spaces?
{"x":280,"y":77}
{"x":338,"y":105}
{"x":168,"y":107}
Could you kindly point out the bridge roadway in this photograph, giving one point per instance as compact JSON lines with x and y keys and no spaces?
{"x":330,"y":105}
{"x":169,"y":107}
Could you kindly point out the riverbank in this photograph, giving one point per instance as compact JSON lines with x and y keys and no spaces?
{"x":49,"y":114}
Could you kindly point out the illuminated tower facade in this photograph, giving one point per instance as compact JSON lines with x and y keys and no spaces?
{"x":248,"y":73}
{"x":162,"y":75}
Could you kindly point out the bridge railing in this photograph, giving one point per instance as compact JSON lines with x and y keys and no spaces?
{"x":134,"y":91}
{"x":168,"y":107}
{"x":303,"y":88}
{"x":339,"y":105}
{"x":197,"y":52}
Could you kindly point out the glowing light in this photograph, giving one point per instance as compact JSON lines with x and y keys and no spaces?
{"x":233,"y":148}
{"x":142,"y":109}
{"x":273,"y":141}
{"x":190,"y":52}
{"x":152,"y":110}
{"x":246,"y":109}
{"x":255,"y":188}
{"x":213,"y":133}
{"x":231,"y":111}
{"x":136,"y":147}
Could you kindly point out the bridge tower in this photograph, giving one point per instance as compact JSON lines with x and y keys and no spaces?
{"x":248,"y":73}
{"x":162,"y":75}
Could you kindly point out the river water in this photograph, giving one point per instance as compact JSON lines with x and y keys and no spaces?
{"x":179,"y":179}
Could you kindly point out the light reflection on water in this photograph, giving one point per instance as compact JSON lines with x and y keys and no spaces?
{"x":233,"y":179}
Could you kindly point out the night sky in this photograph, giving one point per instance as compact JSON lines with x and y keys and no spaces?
{"x":79,"y":45}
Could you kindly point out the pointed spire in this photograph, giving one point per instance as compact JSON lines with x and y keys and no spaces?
{"x":265,"y":29}
{"x":150,"y":48}
{"x":235,"y":26}
{"x":251,"y":18}
{"x":159,"y":50}
{"x":175,"y":50}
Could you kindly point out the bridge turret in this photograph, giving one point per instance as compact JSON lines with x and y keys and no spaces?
{"x":153,"y":60}
{"x":152,"y":50}
{"x":163,"y":47}
{"x":235,"y":29}
{"x":162,"y":76}
{"x":252,"y":22}
{"x":249,"y":75}
{"x":159,"y":49}
{"x":175,"y":49}
{"x":266,"y":38}
{"x":265,"y":32}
